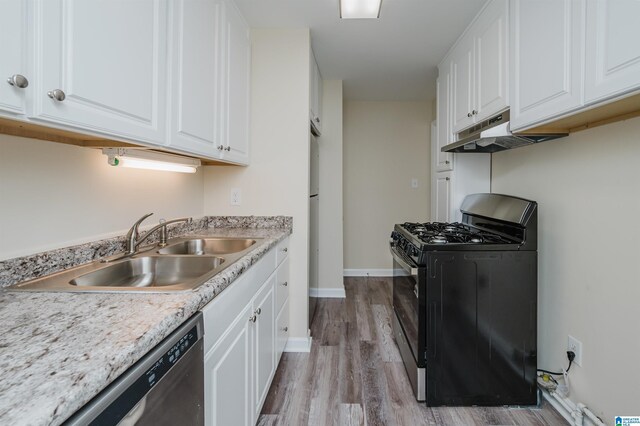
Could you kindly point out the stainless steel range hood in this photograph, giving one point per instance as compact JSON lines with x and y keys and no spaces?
{"x":493,"y":135}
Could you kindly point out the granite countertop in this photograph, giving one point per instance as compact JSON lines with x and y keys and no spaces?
{"x":59,"y":350}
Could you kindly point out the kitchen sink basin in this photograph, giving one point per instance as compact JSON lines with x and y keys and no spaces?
{"x":149,"y":272}
{"x":208,"y":246}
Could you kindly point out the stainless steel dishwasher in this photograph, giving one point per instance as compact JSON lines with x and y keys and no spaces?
{"x":165,"y":387}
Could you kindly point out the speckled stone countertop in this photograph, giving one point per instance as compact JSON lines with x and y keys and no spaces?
{"x":59,"y":350}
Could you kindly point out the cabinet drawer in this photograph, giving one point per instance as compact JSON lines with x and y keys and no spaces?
{"x":282,"y":284}
{"x":282,"y":330}
{"x":221,"y":311}
{"x":282,"y":250}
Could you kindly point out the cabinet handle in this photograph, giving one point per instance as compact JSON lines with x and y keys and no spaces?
{"x":474,"y":112}
{"x":285,"y":283}
{"x":285,"y":329}
{"x":446,"y":161}
{"x":258,"y":311}
{"x":57,"y":95}
{"x":220,"y":147}
{"x":253,"y":318}
{"x":469,"y":114}
{"x":228,"y":148}
{"x":447,"y":178}
{"x":18,"y":80}
{"x":285,"y":249}
{"x":317,"y":120}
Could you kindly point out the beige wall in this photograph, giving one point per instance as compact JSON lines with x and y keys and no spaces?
{"x":386,"y":144}
{"x":54,"y":195}
{"x":588,"y":190}
{"x":330,"y":223}
{"x":277,"y":181}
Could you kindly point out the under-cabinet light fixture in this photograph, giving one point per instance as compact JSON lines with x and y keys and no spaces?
{"x":360,"y":9}
{"x":150,"y":160}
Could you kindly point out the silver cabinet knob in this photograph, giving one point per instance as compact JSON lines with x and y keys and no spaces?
{"x":18,"y":80}
{"x":446,"y":161}
{"x":228,"y":148}
{"x":220,"y":147}
{"x":285,"y":249}
{"x":258,"y":311}
{"x":285,"y":284}
{"x":253,"y":318}
{"x":317,"y":120}
{"x":469,"y":114}
{"x":447,"y":178}
{"x":474,"y":112}
{"x":285,"y":329}
{"x":57,"y":95}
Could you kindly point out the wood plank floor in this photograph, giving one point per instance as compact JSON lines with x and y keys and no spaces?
{"x":354,"y":376}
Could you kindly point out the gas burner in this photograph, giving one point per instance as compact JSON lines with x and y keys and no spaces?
{"x":438,"y":239}
{"x":475,"y":239}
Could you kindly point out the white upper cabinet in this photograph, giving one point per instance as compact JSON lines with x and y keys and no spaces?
{"x":443,"y":136}
{"x":546,"y":59}
{"x":101,"y":66}
{"x":15,"y":79}
{"x":196,"y":100}
{"x":612,"y":48}
{"x":315,"y":94}
{"x":210,"y":55}
{"x":479,"y":68}
{"x":237,"y":84}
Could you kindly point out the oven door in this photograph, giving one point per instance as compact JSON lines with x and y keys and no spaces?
{"x":409,"y":302}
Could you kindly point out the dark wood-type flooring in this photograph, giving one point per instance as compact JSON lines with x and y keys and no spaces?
{"x":354,"y":376}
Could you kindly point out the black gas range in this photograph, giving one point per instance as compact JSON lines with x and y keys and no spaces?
{"x":465,"y":301}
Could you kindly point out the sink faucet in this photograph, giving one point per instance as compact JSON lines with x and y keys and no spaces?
{"x":133,"y":236}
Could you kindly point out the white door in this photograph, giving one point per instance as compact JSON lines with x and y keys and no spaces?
{"x":462,"y":80}
{"x":443,"y":197}
{"x":195,"y":56}
{"x":613,"y":48}
{"x":443,"y":135}
{"x":265,"y":336}
{"x":107,"y":58}
{"x":228,"y":376}
{"x":546,"y":59}
{"x":15,"y":80}
{"x":491,"y":68}
{"x":238,"y":76}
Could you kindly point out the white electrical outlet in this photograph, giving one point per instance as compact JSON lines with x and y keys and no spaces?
{"x":414,"y":183}
{"x":236,"y":196}
{"x":575,"y":345}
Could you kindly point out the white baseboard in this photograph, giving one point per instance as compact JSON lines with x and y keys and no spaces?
{"x":337,"y":293}
{"x":298,"y":344}
{"x":368,"y":272}
{"x":586,"y":421}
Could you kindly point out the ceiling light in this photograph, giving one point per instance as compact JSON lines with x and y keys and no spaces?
{"x":150,"y":160}
{"x":360,"y":9}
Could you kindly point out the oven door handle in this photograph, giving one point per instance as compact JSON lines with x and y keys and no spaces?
{"x":405,"y":265}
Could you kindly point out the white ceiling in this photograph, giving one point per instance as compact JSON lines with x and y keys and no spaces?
{"x":391,"y":58}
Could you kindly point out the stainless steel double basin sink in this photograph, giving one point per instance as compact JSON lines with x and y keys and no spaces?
{"x":184,"y":264}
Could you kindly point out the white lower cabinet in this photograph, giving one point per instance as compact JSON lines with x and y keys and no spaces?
{"x":244,"y":340}
{"x":228,"y":376}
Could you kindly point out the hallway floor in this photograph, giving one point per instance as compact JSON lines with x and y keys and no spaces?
{"x":354,"y":376}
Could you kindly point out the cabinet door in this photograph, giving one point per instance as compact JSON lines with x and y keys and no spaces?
{"x":442,"y":197}
{"x":109,"y":60}
{"x":491,"y":68}
{"x":462,"y":79}
{"x":238,"y":78}
{"x":444,"y":136}
{"x":13,"y":33}
{"x":612,"y":48}
{"x":265,"y":350}
{"x":228,"y":376}
{"x":196,"y":102}
{"x":546,"y":59}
